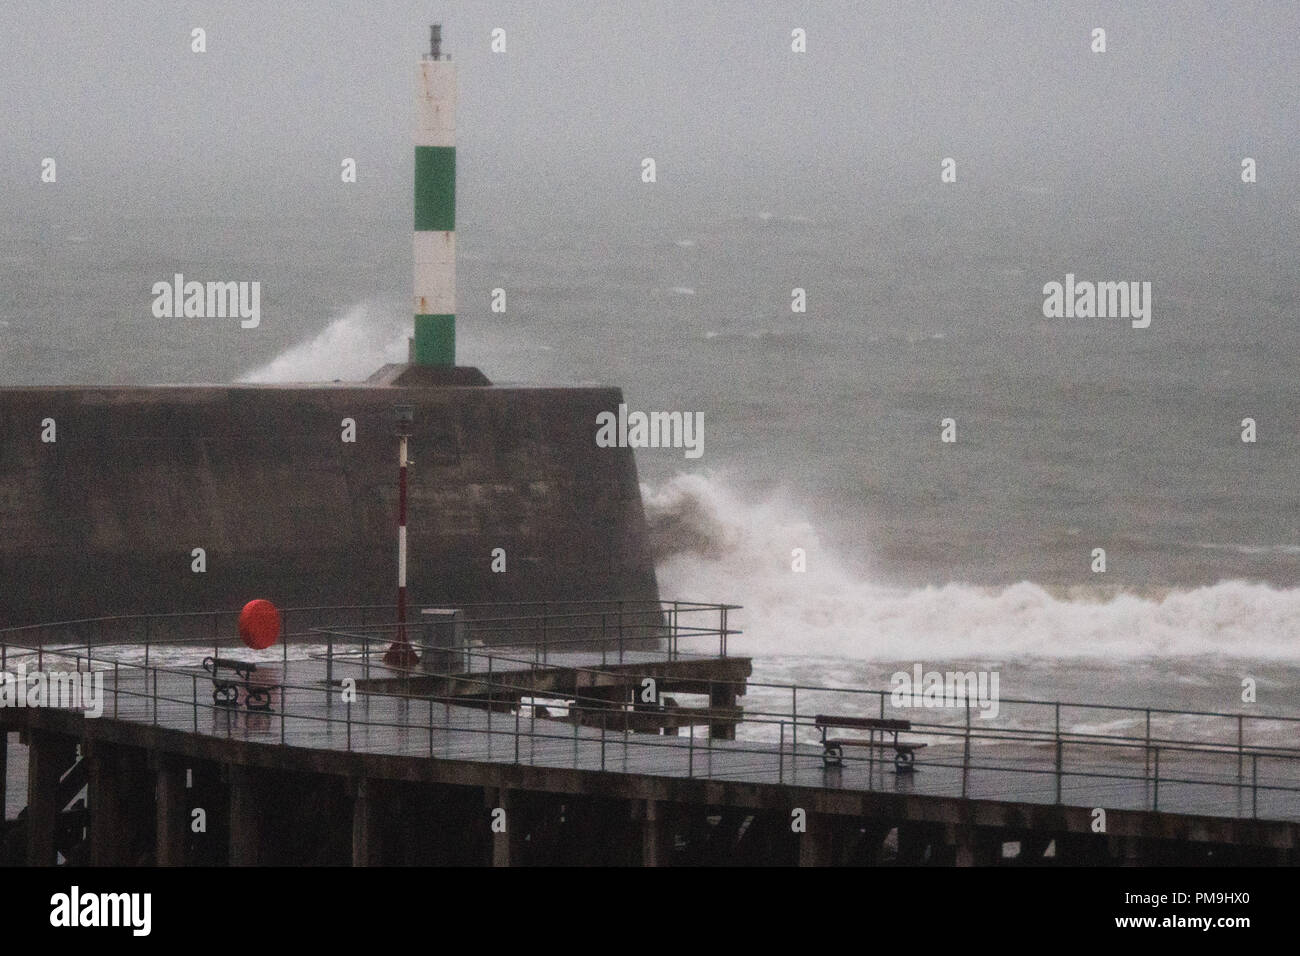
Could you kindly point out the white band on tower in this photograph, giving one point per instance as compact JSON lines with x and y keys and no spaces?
{"x":434,"y":250}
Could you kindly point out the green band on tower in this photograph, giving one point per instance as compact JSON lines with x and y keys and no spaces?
{"x":435,"y":188}
{"x":434,"y":301}
{"x":435,"y":340}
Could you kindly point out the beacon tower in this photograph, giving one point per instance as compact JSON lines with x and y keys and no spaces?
{"x":434,"y":343}
{"x":101,"y":527}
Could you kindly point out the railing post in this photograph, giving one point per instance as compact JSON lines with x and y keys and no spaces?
{"x":794,"y":748}
{"x":708,"y":745}
{"x":520,"y":706}
{"x":1059,"y":762}
{"x":709,"y":710}
{"x":1254,"y":784}
{"x":1240,"y":755}
{"x":1146,"y":750}
{"x":620,"y":632}
{"x":690,"y":752}
{"x":155,"y":697}
{"x":329,"y":662}
{"x":1155,"y":804}
{"x":117,"y":689}
{"x":780,"y":756}
{"x":672,"y":644}
{"x":965,"y":760}
{"x":349,"y":719}
{"x":194,"y":692}
{"x":1059,"y":755}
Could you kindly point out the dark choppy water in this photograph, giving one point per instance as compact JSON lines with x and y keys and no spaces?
{"x":821,"y":430}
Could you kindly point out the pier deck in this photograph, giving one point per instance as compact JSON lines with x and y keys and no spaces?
{"x":482,"y":726}
{"x":394,"y":720}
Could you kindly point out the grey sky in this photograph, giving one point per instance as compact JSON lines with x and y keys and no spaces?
{"x":258,"y":124}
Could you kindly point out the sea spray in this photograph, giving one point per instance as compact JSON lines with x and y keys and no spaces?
{"x":714,"y":545}
{"x":351,"y":348}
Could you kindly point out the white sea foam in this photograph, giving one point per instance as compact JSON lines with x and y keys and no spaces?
{"x":350,"y":348}
{"x":717,"y":546}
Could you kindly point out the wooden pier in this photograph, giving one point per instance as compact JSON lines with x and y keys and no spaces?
{"x":513,"y":760}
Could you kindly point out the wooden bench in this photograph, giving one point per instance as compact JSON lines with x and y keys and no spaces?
{"x":225,"y":690}
{"x":833,"y":747}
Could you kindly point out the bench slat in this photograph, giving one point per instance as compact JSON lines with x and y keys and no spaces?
{"x":862,"y":723}
{"x":214,"y":664}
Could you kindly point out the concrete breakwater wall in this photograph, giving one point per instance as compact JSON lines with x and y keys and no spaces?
{"x":107,"y":492}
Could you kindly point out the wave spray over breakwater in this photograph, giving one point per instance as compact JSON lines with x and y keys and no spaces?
{"x":712,"y":545}
{"x":350,"y":349}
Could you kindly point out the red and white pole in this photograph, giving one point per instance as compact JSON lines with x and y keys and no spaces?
{"x":401,"y":541}
{"x":401,"y":654}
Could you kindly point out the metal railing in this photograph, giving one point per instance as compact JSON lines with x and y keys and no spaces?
{"x":497,"y":701}
{"x":546,"y":625}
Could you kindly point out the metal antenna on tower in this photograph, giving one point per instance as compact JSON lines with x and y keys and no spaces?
{"x":435,"y":41}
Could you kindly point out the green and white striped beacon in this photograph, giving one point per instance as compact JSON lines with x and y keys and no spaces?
{"x":435,"y":208}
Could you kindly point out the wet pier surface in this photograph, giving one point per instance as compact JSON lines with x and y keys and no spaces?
{"x":174,"y":692}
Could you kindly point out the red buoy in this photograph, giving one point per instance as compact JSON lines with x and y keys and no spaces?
{"x":259,"y":624}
